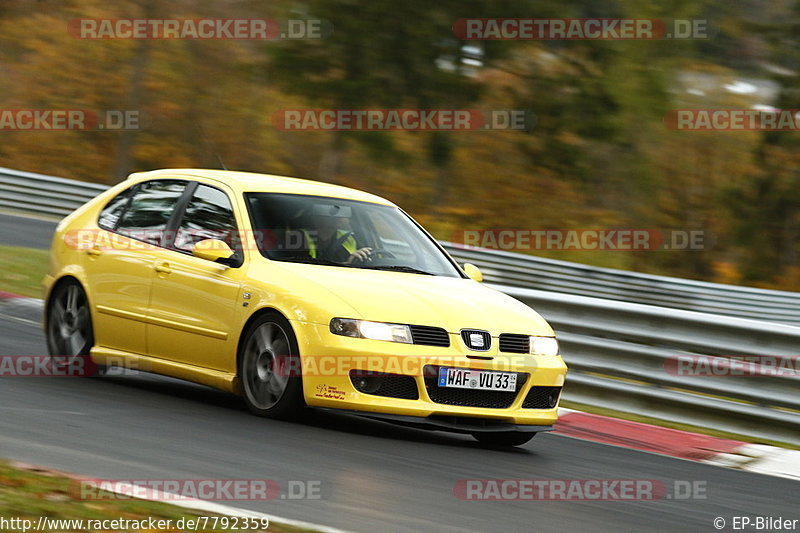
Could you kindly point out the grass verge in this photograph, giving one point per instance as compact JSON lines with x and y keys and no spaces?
{"x":28,"y":493}
{"x":22,"y":270}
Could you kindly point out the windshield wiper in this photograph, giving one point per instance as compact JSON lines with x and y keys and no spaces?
{"x":326,"y":262}
{"x":400,"y":268}
{"x":313,"y":261}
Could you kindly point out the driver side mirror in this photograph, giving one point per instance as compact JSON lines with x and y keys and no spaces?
{"x":473,"y":272}
{"x":217,"y":251}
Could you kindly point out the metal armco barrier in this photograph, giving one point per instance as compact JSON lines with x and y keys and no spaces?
{"x":624,"y":356}
{"x":44,"y":195}
{"x":518,"y":270}
{"x":619,"y":331}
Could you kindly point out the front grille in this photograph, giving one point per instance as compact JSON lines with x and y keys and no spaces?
{"x":480,"y":344}
{"x":541,"y":398}
{"x":381,"y":384}
{"x":430,"y":336}
{"x":514,"y":343}
{"x":470,"y":397}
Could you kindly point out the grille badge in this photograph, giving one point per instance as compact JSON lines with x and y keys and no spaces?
{"x":476,"y":339}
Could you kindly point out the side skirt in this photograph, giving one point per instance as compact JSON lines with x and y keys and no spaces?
{"x":144,"y":363}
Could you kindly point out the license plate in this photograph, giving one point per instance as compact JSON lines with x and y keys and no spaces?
{"x":464,"y":378}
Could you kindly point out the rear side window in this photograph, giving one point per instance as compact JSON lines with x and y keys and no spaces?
{"x":109,"y":216}
{"x":209,"y":215}
{"x":150,"y":209}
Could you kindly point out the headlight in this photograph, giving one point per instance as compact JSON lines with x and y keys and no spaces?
{"x":364,"y":329}
{"x":544,"y":346}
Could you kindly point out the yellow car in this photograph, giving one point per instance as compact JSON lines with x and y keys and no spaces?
{"x":294,"y":294}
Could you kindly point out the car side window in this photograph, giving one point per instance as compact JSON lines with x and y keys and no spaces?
{"x":110,"y":214}
{"x":209,"y":215}
{"x":150,"y":209}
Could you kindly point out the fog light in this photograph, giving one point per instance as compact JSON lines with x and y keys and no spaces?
{"x":365,"y":382}
{"x":552,"y":398}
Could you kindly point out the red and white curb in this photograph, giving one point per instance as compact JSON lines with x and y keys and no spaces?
{"x":769,"y":460}
{"x":21,"y":308}
{"x":9,"y":295}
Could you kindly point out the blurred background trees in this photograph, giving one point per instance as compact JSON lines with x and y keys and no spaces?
{"x":599,"y":156}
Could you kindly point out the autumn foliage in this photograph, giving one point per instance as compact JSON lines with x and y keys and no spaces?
{"x":599,"y":156}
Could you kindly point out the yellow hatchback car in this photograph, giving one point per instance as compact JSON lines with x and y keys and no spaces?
{"x":295,"y":293}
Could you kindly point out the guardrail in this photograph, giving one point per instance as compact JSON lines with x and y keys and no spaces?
{"x":44,"y":195}
{"x":619,"y":330}
{"x":531,"y":272}
{"x":627,"y":357}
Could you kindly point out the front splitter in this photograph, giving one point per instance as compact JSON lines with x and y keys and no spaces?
{"x":453,"y":424}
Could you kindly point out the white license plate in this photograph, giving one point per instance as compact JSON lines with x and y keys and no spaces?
{"x":463,"y":378}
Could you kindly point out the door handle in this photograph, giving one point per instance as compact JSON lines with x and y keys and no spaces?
{"x":95,"y":251}
{"x":163,"y":268}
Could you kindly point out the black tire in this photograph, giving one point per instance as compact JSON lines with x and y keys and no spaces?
{"x":269,"y":369}
{"x":503,"y":438}
{"x":69,"y":331}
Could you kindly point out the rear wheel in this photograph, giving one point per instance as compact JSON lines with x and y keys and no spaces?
{"x":503,"y":438}
{"x":269,"y":369}
{"x":69,"y":332}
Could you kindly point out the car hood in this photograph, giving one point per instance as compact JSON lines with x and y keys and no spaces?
{"x":450,"y":303}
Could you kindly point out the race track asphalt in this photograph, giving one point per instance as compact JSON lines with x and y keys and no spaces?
{"x":373,"y":476}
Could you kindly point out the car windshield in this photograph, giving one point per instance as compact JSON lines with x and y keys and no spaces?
{"x":348,"y":233}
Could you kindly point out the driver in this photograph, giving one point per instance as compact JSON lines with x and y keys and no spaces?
{"x":331,"y":242}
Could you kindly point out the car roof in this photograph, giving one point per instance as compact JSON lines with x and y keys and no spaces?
{"x":253,"y":182}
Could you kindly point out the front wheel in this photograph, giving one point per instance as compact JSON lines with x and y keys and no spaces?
{"x":269,"y":369}
{"x":69,"y":332}
{"x":503,"y":438}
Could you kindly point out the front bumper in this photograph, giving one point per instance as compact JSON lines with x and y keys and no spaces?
{"x":328,"y":359}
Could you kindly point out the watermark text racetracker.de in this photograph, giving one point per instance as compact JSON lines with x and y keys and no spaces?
{"x":353,"y":367}
{"x":560,"y":29}
{"x":177,"y":490}
{"x":69,"y":120}
{"x":202,"y":29}
{"x":38,"y":366}
{"x":494,"y":239}
{"x":692,"y":365}
{"x":583,"y":239}
{"x":148,"y":239}
{"x":68,"y":366}
{"x":403,"y":119}
{"x":579,"y":490}
{"x":733,"y":119}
